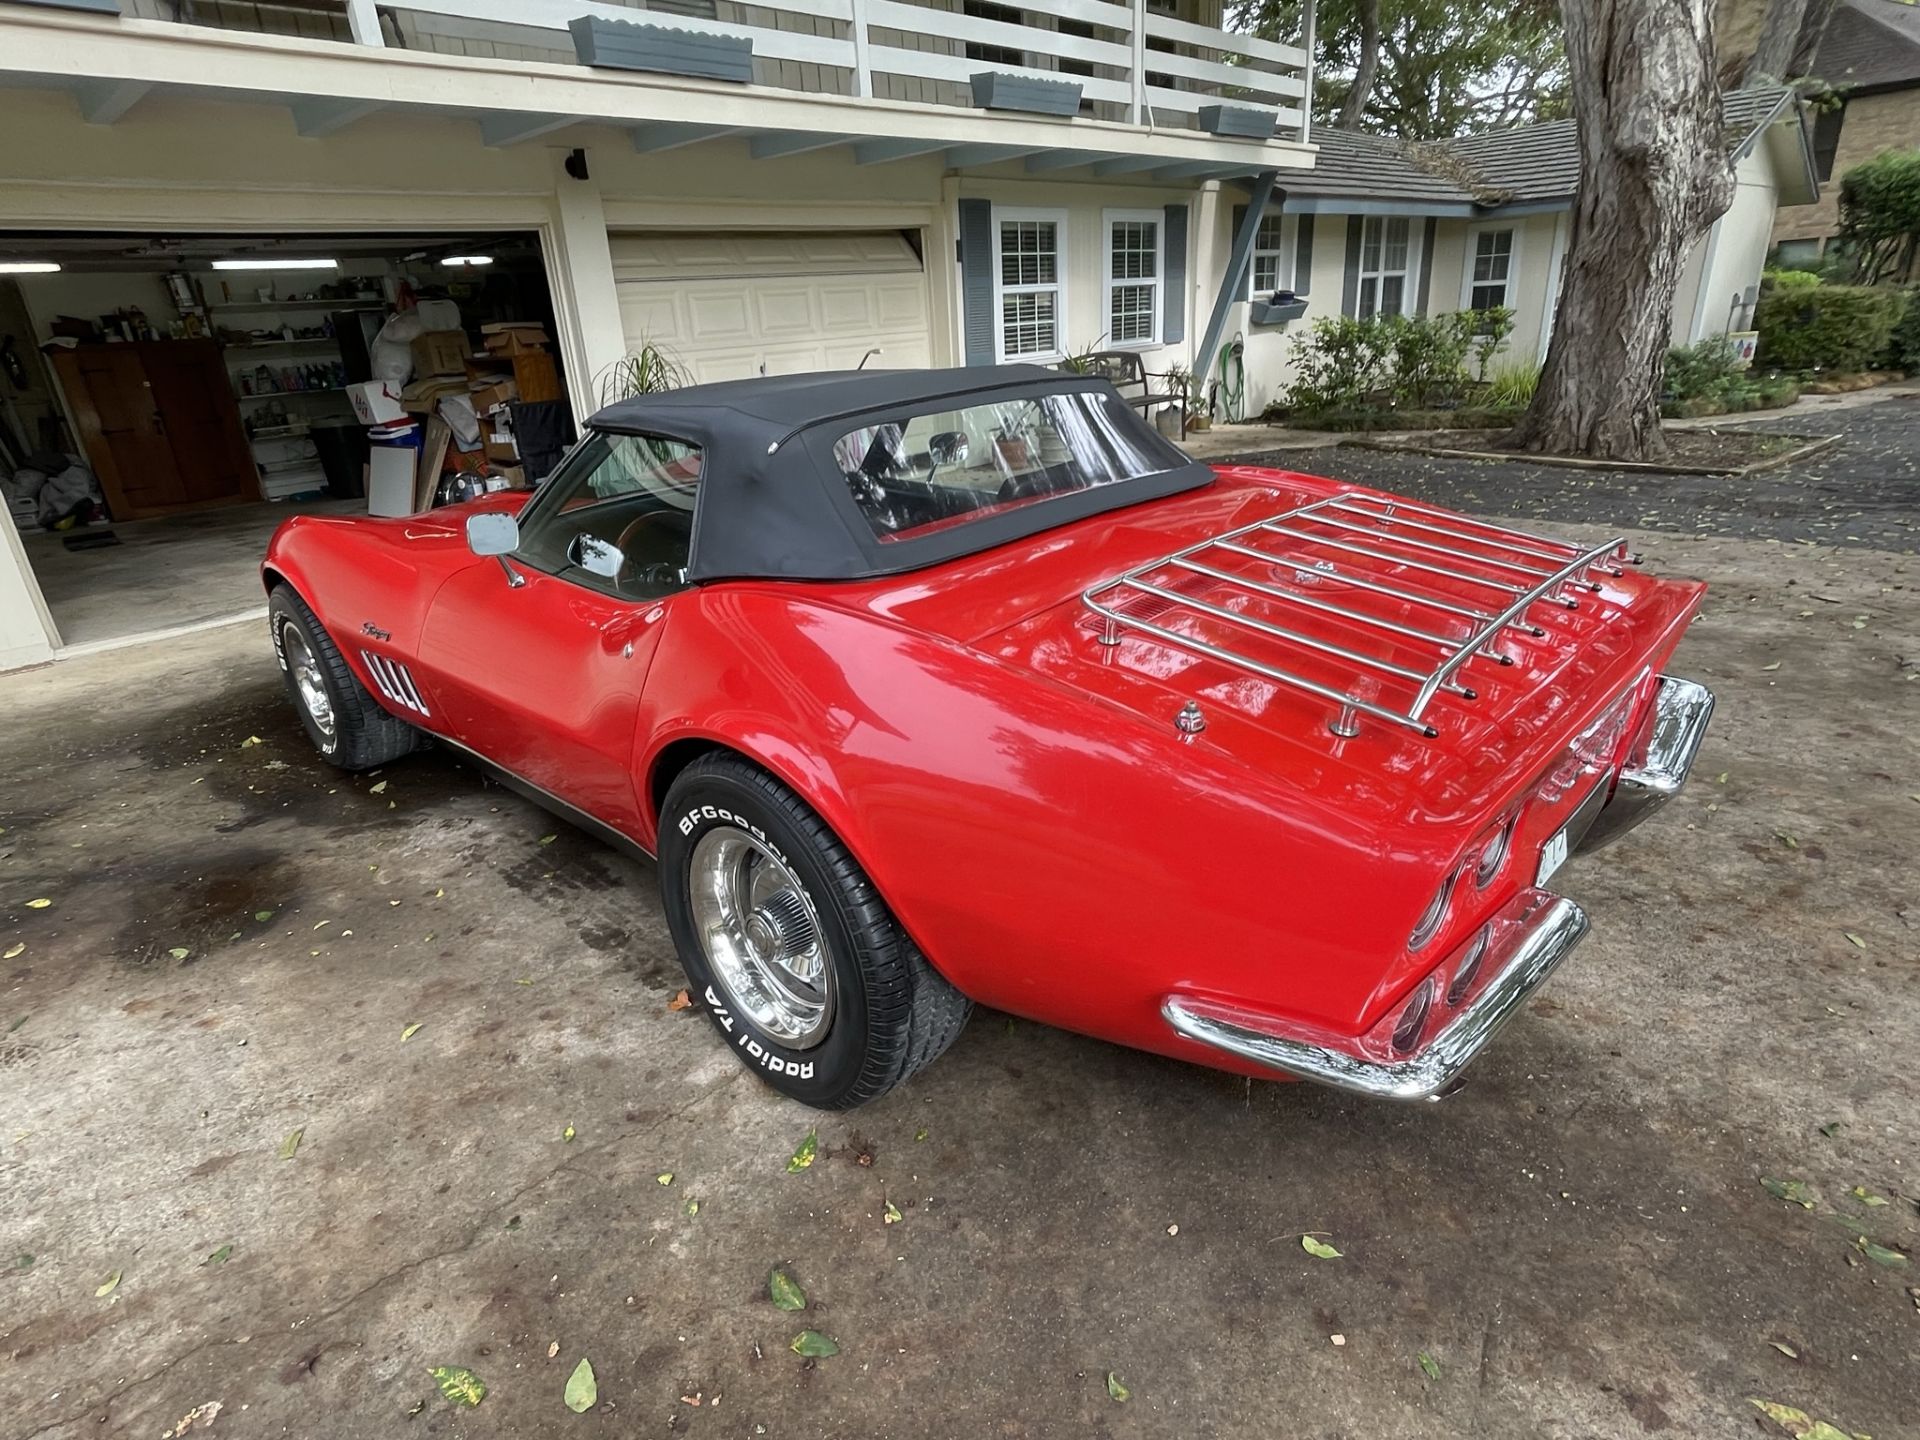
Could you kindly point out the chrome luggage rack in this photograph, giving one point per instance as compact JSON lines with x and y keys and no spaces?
{"x":1414,"y":544}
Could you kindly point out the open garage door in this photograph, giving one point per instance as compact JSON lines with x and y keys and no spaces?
{"x":728,"y":303}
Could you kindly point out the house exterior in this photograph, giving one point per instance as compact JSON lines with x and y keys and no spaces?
{"x":1386,"y":226}
{"x":1867,"y":67}
{"x":779,"y":186}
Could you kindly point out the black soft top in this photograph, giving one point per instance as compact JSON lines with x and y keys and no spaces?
{"x":772,"y":504}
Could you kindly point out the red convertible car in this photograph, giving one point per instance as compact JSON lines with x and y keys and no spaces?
{"x":941,"y":687}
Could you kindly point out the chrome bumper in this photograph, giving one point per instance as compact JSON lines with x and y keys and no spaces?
{"x":1658,"y":764}
{"x":1544,"y":932}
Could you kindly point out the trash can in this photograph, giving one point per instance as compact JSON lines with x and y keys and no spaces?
{"x":342,"y":447}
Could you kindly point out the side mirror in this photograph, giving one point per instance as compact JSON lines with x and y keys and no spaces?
{"x":493,"y":534}
{"x":595,"y":556}
{"x":949,"y":447}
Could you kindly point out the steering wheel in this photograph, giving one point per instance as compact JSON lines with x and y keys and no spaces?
{"x":665,"y":527}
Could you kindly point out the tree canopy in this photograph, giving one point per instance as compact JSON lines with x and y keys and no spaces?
{"x":1441,"y":67}
{"x":1880,"y":215}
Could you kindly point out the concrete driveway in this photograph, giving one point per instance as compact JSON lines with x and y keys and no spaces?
{"x":239,"y":939}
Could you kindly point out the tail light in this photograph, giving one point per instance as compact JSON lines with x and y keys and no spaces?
{"x":1412,"y":1020}
{"x":1468,"y":968}
{"x":1491,"y":853}
{"x":1431,"y":918}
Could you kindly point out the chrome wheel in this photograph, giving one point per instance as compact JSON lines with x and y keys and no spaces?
{"x":761,"y":936}
{"x":307,"y":678}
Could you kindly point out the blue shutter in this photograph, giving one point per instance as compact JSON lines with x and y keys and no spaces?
{"x":1426,"y":263}
{"x":1303,"y":256}
{"x":1173,"y":297}
{"x":1350,"y":283}
{"x":976,"y":281}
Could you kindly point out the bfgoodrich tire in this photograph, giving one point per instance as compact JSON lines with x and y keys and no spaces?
{"x":344,"y":722}
{"x":800,"y":965}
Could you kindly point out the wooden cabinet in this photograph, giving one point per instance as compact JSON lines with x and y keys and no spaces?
{"x":159,"y":424}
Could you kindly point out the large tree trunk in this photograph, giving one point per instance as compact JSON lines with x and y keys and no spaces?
{"x":1355,"y":105}
{"x":1779,"y":36}
{"x":1654,"y":173}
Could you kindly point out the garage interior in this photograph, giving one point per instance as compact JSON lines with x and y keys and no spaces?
{"x":166,"y":401}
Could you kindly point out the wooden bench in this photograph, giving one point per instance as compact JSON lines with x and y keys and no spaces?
{"x":1127,"y":374}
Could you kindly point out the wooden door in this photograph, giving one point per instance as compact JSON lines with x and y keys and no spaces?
{"x":201,"y":420}
{"x":121,"y":429}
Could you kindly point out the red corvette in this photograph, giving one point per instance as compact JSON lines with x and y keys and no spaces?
{"x":928,"y":688}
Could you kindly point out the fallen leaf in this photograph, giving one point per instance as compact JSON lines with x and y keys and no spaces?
{"x":1795,"y":1192}
{"x":1115,"y":1390}
{"x":814,"y":1345}
{"x":1854,"y":940}
{"x":1785,"y":1349}
{"x":1774,"y":666}
{"x":291,"y":1143}
{"x":693,"y":1207}
{"x":439,"y":894}
{"x":108,"y":1285}
{"x":1881,"y":1254}
{"x":680,"y":1001}
{"x":38,"y":904}
{"x":1338,"y":1339}
{"x":15,"y":950}
{"x":1799,"y":1424}
{"x":665,"y":1177}
{"x":553,"y":1349}
{"x":803,"y":1157}
{"x":411,"y":1031}
{"x":379,"y":789}
{"x":459,"y":1384}
{"x":784,"y":1293}
{"x":263,"y":916}
{"x":567,"y":1134}
{"x":1429,"y":1366}
{"x":918,"y":1136}
{"x":1721,"y":778}
{"x":548,"y":839}
{"x":23,"y":1261}
{"x":250,"y":740}
{"x":179,"y":952}
{"x":1319,"y":1249}
{"x":513,"y":1222}
{"x":1866,"y":1196}
{"x":219,"y":1257}
{"x":892,"y":1215}
{"x":200,"y":1415}
{"x":1786,"y":839}
{"x":18,"y":1023}
{"x":1830,"y":1129}
{"x":582,"y":1393}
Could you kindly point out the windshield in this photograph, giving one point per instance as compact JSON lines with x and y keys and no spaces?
{"x":917,"y":473}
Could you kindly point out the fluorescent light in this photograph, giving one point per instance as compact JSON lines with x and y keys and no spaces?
{"x":28,"y":267}
{"x":285,"y":262}
{"x":466,"y":260}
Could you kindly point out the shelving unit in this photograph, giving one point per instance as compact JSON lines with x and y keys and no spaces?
{"x":285,"y":455}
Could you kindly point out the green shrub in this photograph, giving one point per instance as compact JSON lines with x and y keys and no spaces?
{"x":1513,"y":384}
{"x":1429,"y":355}
{"x":1880,"y":215}
{"x":1346,"y":364}
{"x":1791,"y":279}
{"x":1825,"y":327}
{"x":1698,"y":371}
{"x":1338,"y":364}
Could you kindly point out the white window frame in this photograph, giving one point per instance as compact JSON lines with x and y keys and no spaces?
{"x":1409,"y":277}
{"x":1058,"y":219}
{"x":1285,"y":256}
{"x":1157,"y":219}
{"x":1474,"y":232}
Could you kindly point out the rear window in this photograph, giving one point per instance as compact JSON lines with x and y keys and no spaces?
{"x":919,"y":473}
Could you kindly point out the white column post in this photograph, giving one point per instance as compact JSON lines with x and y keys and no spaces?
{"x":27,"y":633}
{"x":1306,"y":104}
{"x":862,"y":73}
{"x":580,"y":273}
{"x":363,"y":19}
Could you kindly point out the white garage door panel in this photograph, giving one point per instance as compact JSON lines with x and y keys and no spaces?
{"x":729,"y":303}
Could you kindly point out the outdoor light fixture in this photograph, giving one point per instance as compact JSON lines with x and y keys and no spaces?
{"x":466,"y":259}
{"x":28,"y":267}
{"x":287,"y":262}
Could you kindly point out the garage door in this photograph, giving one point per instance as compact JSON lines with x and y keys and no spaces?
{"x":729,"y":302}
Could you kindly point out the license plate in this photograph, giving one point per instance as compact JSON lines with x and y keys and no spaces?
{"x":1552,"y":856}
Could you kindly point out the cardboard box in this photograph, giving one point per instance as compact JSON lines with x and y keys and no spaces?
{"x":493,"y":394}
{"x":374,"y":404}
{"x":440,"y":352}
{"x":516,"y":342}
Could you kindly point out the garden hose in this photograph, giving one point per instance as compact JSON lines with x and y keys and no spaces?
{"x":1230,"y":389}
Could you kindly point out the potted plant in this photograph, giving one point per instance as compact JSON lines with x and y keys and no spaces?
{"x":646,"y":370}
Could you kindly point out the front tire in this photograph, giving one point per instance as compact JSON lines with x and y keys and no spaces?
{"x":802,"y":968}
{"x":341,"y":717}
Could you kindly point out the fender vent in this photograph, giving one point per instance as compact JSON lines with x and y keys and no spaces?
{"x":395,"y":682}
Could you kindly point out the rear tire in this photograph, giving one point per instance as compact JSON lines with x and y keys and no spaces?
{"x":341,"y":717}
{"x":799,"y":963}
